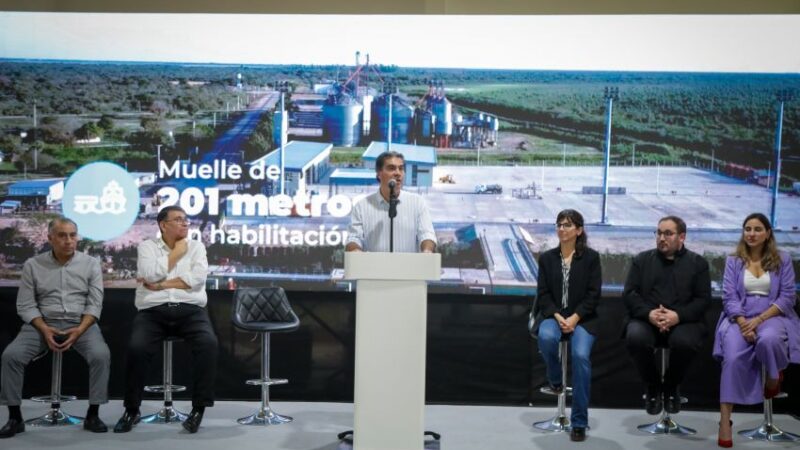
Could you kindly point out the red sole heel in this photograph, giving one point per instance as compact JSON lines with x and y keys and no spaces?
{"x":725,"y":443}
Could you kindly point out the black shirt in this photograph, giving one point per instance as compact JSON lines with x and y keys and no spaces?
{"x":682,"y":284}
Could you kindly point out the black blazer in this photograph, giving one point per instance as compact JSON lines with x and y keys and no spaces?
{"x":690,"y":279}
{"x":585,"y":282}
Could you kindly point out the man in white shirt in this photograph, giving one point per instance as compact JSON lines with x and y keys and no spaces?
{"x":370,"y":223}
{"x":171,"y":300}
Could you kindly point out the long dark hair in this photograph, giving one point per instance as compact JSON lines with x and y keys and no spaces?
{"x":575,"y":218}
{"x":770,"y":258}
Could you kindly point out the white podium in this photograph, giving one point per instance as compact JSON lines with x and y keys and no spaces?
{"x":391,"y":330}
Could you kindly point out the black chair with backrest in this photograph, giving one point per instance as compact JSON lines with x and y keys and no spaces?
{"x":264,"y":311}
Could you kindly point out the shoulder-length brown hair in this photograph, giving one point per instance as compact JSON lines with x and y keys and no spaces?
{"x":770,"y":258}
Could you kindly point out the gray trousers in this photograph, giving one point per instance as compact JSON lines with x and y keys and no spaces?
{"x":29,"y":343}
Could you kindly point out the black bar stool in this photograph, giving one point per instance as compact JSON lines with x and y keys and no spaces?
{"x":167,"y":414}
{"x":264,"y":311}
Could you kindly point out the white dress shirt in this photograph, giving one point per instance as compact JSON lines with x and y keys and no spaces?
{"x":192,"y":268}
{"x":369,"y":224}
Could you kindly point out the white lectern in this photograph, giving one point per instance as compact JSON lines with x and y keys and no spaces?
{"x":391,"y":329}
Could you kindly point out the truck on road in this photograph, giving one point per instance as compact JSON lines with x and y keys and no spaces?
{"x":488,"y":189}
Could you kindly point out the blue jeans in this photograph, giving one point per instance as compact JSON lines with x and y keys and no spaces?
{"x":581,"y":348}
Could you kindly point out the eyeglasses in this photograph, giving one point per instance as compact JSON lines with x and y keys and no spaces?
{"x":667,"y":234}
{"x":180,"y":221}
{"x":565,"y":225}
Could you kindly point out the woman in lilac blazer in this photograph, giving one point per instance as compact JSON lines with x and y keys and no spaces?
{"x":758,"y":326}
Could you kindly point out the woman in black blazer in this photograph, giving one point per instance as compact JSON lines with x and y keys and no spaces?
{"x":567,"y":295}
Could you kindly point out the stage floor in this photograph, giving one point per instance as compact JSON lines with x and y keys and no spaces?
{"x":316,"y":425}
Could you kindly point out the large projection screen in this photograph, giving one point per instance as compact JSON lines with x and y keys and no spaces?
{"x":503,"y":120}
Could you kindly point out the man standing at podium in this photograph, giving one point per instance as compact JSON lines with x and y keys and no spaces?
{"x":370,"y":221}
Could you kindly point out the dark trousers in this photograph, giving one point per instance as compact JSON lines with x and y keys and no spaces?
{"x":150,"y":327}
{"x":683,"y":340}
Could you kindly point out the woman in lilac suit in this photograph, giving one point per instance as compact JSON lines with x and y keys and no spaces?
{"x":758,"y":325}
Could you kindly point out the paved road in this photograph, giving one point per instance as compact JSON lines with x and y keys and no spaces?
{"x":231,"y":143}
{"x":229,"y":146}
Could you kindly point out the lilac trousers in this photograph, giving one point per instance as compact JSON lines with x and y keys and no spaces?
{"x":741,"y":381}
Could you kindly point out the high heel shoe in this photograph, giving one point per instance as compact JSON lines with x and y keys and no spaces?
{"x":726,"y":443}
{"x":771,"y":393}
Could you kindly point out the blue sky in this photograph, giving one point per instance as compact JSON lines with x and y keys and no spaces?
{"x":710,"y":43}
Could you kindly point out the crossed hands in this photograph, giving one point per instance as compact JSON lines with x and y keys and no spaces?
{"x":60,"y":340}
{"x":748,"y":327}
{"x":567,"y":325}
{"x":150,"y":286}
{"x":663,"y":318}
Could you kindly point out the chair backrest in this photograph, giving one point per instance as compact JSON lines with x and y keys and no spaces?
{"x":532,"y":325}
{"x":264,"y":310}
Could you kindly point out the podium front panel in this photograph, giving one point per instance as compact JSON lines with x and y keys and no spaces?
{"x":389,"y":394}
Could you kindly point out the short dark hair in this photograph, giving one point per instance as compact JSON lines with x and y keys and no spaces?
{"x":164,"y":213}
{"x":678,"y":222}
{"x":386,"y":155}
{"x":51,"y":226}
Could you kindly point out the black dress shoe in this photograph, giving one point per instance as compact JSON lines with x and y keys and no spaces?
{"x":652,"y":401}
{"x":12,"y":427}
{"x":95,"y":425}
{"x":192,"y":423}
{"x":126,"y":422}
{"x":577,"y":434}
{"x":672,"y":401}
{"x":556,"y":388}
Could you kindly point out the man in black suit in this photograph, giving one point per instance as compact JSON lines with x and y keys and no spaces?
{"x":667,"y":293}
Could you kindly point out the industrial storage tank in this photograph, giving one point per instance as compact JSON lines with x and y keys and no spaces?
{"x":280,"y":127}
{"x":402,"y":119}
{"x":341,"y":119}
{"x":425,"y":124}
{"x":366,"y":114}
{"x":443,"y":110}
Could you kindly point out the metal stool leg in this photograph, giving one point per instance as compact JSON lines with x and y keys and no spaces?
{"x":560,"y":422}
{"x":265,"y":415}
{"x":768,"y":431}
{"x":55,"y":417}
{"x":665,"y":424}
{"x":167,"y":414}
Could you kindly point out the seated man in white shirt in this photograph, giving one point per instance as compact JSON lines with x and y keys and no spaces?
{"x":171,"y":300}
{"x":369,"y":221}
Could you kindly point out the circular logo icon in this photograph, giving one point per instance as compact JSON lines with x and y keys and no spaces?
{"x":103,"y":199}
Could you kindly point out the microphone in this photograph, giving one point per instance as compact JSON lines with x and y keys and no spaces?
{"x":392,"y":199}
